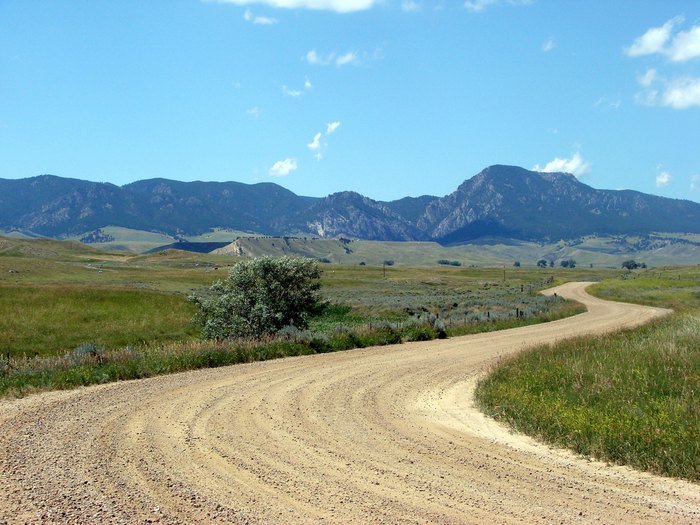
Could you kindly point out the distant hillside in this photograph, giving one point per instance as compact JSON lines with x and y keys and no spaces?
{"x":513,"y":202}
{"x":501,"y":201}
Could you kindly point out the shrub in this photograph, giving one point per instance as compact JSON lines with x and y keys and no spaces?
{"x":260,"y":297}
{"x":632,"y":265}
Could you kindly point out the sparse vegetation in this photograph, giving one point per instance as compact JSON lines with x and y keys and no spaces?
{"x":362,"y":307}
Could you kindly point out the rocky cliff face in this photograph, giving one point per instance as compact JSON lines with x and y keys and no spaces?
{"x":504,"y":201}
{"x":349,"y":214}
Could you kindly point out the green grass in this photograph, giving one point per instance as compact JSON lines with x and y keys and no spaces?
{"x":40,"y":320}
{"x":631,"y":398}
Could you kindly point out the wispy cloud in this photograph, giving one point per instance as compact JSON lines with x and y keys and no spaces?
{"x":339,"y":6}
{"x":694,"y":182}
{"x":255,"y":111}
{"x":347,"y":58}
{"x":648,"y":78}
{"x":607,"y":104}
{"x":574,"y":165}
{"x":477,"y":6}
{"x":679,"y":47}
{"x":248,"y":16}
{"x":549,"y":44}
{"x":291,"y":92}
{"x":410,"y":6}
{"x":663,"y":179}
{"x":315,"y":58}
{"x":317,"y":145}
{"x":295,"y":93}
{"x":282,"y":168}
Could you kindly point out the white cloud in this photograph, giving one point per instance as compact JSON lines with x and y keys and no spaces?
{"x":282,"y":168}
{"x":248,"y":16}
{"x":694,"y":182}
{"x":347,"y":58}
{"x":575,"y":165}
{"x":313,"y":58}
{"x":255,"y":111}
{"x":291,"y":92}
{"x":681,"y":47}
{"x":316,"y":143}
{"x":316,"y":59}
{"x":682,"y":93}
{"x":654,"y":40}
{"x":549,"y":44}
{"x":677,"y":93}
{"x":663,"y":179}
{"x":686,"y":45}
{"x":339,"y":6}
{"x":307,"y":84}
{"x":410,"y":6}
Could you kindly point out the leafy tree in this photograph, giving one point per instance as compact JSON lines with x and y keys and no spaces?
{"x":259,"y":297}
{"x":542,"y":263}
{"x":568,"y":263}
{"x":516,"y":264}
{"x":631,"y":265}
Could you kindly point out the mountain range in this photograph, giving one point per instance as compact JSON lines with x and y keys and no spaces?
{"x":501,"y":201}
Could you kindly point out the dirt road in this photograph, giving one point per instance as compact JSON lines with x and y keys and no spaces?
{"x":379,"y":435}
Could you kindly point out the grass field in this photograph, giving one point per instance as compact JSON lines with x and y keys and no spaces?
{"x":631,"y":398}
{"x":41,"y":320}
{"x":58,"y":299}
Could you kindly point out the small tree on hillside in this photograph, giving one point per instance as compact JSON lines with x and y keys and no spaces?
{"x":259,"y":297}
{"x":630,"y":265}
{"x":542,"y":263}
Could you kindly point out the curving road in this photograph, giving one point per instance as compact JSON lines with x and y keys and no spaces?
{"x":379,"y":435}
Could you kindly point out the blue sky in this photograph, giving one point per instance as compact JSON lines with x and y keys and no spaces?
{"x":385,"y":97}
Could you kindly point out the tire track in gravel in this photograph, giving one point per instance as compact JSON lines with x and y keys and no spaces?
{"x":377,"y":435}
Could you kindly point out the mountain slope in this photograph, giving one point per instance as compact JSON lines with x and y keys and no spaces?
{"x":501,"y":201}
{"x":508,"y":201}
